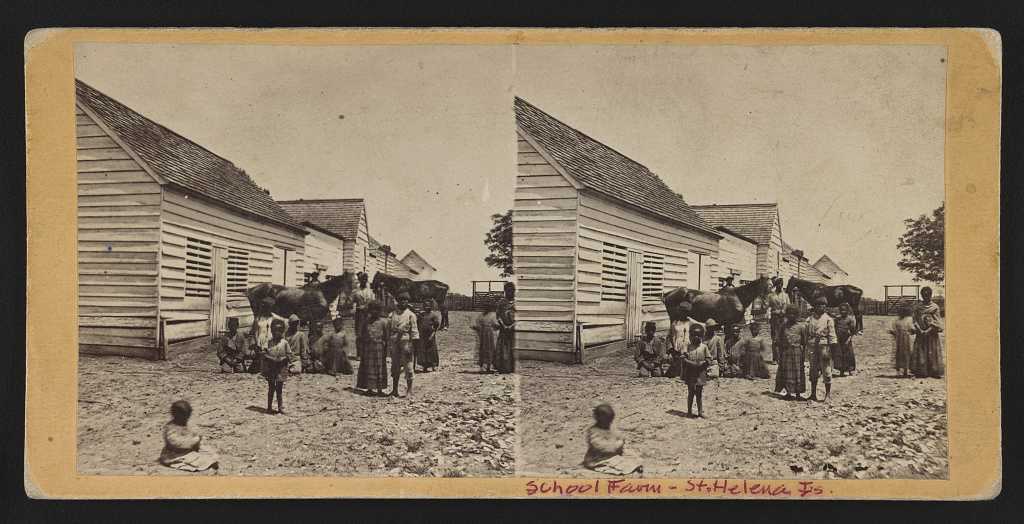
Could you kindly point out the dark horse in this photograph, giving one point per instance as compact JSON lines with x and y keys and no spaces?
{"x":419,"y":291}
{"x":310,"y":302}
{"x":726,"y":306}
{"x":834,"y":294}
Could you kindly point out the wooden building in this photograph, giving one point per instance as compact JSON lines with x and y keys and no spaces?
{"x":737,"y":257}
{"x":597,"y":239}
{"x":796,"y":264}
{"x":170,"y":235}
{"x":829,"y":268}
{"x":416,"y":262}
{"x":339,"y":238}
{"x":387,"y":262}
{"x":757,"y":222}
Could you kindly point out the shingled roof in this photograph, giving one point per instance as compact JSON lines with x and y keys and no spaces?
{"x":180,"y":161}
{"x":753,"y":221}
{"x":339,"y":216}
{"x":413,"y":257}
{"x":605,"y":170}
{"x":396,"y":267}
{"x":828,"y":266}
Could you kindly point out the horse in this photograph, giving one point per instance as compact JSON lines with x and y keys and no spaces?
{"x":834,"y":294}
{"x":726,"y":306}
{"x":310,"y":302}
{"x":419,"y":291}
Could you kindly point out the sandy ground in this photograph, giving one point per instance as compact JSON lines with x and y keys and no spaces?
{"x":458,"y":423}
{"x":874,"y":426}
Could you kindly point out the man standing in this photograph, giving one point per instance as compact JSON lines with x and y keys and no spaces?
{"x":361,"y":299}
{"x":404,"y":333}
{"x":777,"y":303}
{"x":822,"y":334}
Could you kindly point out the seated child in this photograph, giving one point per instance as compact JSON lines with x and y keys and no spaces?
{"x":337,"y":350}
{"x":231,"y":349}
{"x":752,"y":360}
{"x":650,"y":353}
{"x":606,"y":448}
{"x":182,"y":446}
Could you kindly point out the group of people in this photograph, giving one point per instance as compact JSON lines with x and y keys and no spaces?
{"x":387,"y":344}
{"x":496,"y":334}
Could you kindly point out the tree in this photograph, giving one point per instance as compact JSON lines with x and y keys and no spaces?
{"x":923,"y":246}
{"x":499,"y":241}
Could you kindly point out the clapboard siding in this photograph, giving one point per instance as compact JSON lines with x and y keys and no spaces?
{"x":356,"y":252}
{"x":769,"y":256}
{"x":738,"y":257}
{"x":118,"y":235}
{"x":544,"y":227}
{"x":327,"y":252}
{"x":186,"y":216}
{"x":602,"y":220}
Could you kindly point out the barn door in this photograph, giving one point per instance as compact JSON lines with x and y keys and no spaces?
{"x":218,"y":290}
{"x":634,"y":295}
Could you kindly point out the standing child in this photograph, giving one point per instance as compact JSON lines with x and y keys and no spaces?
{"x":444,"y":316}
{"x":259,"y":333}
{"x":487,"y":337}
{"x":182,"y":446}
{"x":606,"y":449}
{"x":821,"y":333}
{"x":429,"y":324}
{"x":901,"y":330}
{"x":716,"y":348}
{"x":846,"y":326}
{"x":337,"y":350}
{"x":373,"y":375}
{"x":695,"y":364}
{"x":404,"y":333}
{"x":274,"y":367}
{"x":231,"y":351}
{"x":679,"y":337}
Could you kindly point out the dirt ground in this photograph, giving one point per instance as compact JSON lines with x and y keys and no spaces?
{"x":458,"y":422}
{"x":875,"y":425}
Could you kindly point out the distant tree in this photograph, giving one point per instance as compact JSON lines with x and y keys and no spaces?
{"x":499,"y":242}
{"x":923,"y":246}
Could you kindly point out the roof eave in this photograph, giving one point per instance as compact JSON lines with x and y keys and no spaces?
{"x":298,"y":228}
{"x":708,"y":231}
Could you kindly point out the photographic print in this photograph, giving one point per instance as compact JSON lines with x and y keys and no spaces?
{"x":513,"y":263}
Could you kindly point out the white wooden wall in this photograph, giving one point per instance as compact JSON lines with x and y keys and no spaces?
{"x":118,"y":247}
{"x":738,"y":256}
{"x":326,"y":251}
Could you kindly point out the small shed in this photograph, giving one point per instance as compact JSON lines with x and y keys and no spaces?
{"x":757,"y":222}
{"x":836,"y":274}
{"x":597,"y":239}
{"x":170,"y":235}
{"x":416,"y":262}
{"x":339,"y":238}
{"x":388,"y":263}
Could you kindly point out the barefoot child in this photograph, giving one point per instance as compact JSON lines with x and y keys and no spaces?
{"x":695,"y":364}
{"x":901,"y":331}
{"x":650,"y":352}
{"x":274,"y":367}
{"x":404,"y":333}
{"x":373,"y":375}
{"x":606,"y":451}
{"x":792,"y":341}
{"x":299,"y":345}
{"x":846,"y":327}
{"x":822,"y":339}
{"x":182,"y":446}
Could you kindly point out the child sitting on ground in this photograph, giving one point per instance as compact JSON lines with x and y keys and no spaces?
{"x":182,"y":446}
{"x":650,"y":352}
{"x":337,"y":350}
{"x":606,"y":451}
{"x":231,"y":350}
{"x":274,"y":366}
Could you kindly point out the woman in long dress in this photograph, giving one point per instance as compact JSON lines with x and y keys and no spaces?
{"x":792,"y":342}
{"x":487,"y":338}
{"x":429,"y":323}
{"x":902,"y":330}
{"x":927,"y":358}
{"x":845,"y":361}
{"x":373,"y":367}
{"x":504,"y":357}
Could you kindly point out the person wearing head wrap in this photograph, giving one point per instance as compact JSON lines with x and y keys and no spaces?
{"x":231,"y":348}
{"x":504,"y":355}
{"x":403,"y":334}
{"x":299,"y":342}
{"x":429,"y":323}
{"x":373,"y":372}
{"x":778,"y":301}
{"x":650,"y":353}
{"x":792,"y":343}
{"x":844,"y":360}
{"x":927,"y":358}
{"x":361,"y":299}
{"x":486,"y":328}
{"x":606,"y":448}
{"x":822,"y":339}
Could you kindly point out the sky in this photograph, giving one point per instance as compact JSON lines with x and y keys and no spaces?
{"x":847,"y":139}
